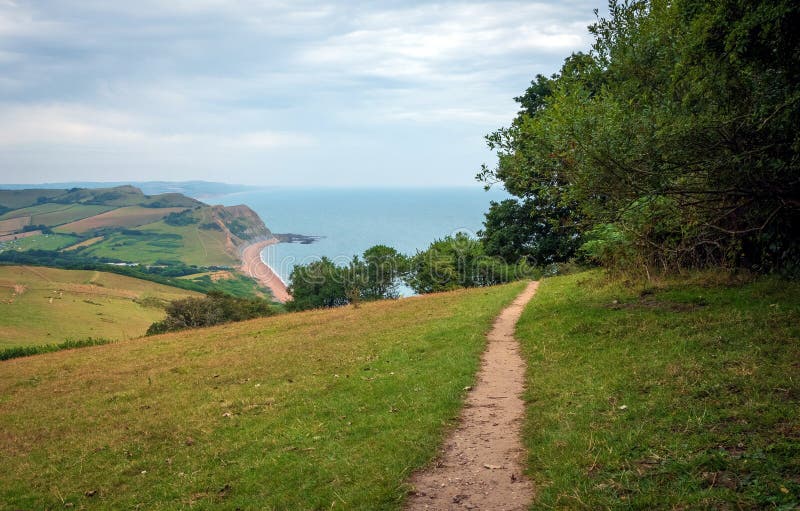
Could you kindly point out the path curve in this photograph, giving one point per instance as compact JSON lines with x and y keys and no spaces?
{"x":481,"y":465}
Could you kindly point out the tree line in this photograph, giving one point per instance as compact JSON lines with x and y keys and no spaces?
{"x":449,"y":263}
{"x":673,"y":143}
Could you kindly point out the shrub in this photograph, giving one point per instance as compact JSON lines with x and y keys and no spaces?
{"x":213,"y":309}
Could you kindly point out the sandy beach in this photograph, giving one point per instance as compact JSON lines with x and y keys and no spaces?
{"x":253,"y":266}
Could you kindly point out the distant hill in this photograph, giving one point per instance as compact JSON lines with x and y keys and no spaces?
{"x":125,"y":195}
{"x":196,"y":189}
{"x":123,"y":225}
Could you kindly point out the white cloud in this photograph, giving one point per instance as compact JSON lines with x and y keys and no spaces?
{"x":434,"y":42}
{"x":238,"y":84}
{"x":82,"y":126}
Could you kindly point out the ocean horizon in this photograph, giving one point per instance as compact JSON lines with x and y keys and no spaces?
{"x":347,"y":221}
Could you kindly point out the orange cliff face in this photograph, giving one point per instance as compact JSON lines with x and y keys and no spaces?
{"x":246,"y":236}
{"x":242,"y":226}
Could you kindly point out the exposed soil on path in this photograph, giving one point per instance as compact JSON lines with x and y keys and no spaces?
{"x":481,"y":464}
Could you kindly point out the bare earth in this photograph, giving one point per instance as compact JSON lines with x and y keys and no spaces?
{"x":253,"y":266}
{"x":481,"y":463}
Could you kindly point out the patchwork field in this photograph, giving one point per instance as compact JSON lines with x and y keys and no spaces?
{"x":191,"y":244}
{"x":679,"y":395}
{"x":6,"y":238}
{"x":45,"y":305}
{"x":13,"y":224}
{"x":53,"y":215}
{"x":313,"y":410}
{"x":131,"y":216}
{"x":38,"y":209}
{"x":70,"y":213}
{"x":43,"y":242}
{"x":84,"y":243}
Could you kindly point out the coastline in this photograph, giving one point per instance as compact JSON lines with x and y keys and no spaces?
{"x":253,"y":266}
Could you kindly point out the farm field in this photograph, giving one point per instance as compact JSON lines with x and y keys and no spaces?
{"x":55,"y":214}
{"x":299,"y":411}
{"x":159,"y":241}
{"x":38,"y":209}
{"x":679,"y":395}
{"x":42,"y":242}
{"x":84,"y":243}
{"x":44,"y":305}
{"x":69,"y":213}
{"x":13,"y":224}
{"x":11,"y":238}
{"x":130,"y":216}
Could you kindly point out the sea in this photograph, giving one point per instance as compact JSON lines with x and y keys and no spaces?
{"x":348,"y":221}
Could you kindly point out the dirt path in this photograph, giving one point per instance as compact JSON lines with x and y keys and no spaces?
{"x":481,"y":463}
{"x":253,"y":266}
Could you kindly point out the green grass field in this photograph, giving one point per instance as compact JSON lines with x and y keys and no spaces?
{"x":38,"y":209}
{"x":51,"y":214}
{"x":46,"y":306}
{"x":42,"y":242}
{"x":316,"y":410}
{"x":683,"y":395}
{"x":158,"y":241}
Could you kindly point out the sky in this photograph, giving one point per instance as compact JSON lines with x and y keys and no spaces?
{"x":283,"y":93}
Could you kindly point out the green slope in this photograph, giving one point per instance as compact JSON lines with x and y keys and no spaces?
{"x":300,"y":411}
{"x":45,"y":305}
{"x":680,"y":396}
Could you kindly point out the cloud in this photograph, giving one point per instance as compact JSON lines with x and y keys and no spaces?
{"x":81,"y":126}
{"x":239,"y":82}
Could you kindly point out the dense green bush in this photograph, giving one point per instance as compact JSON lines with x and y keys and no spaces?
{"x":180,"y":218}
{"x":677,"y":133}
{"x":213,"y":309}
{"x":460,"y":261}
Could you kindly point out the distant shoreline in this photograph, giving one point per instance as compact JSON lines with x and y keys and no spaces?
{"x":253,"y":266}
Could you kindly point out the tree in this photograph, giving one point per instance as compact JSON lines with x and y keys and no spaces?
{"x":318,"y":284}
{"x":674,"y":140}
{"x":455,"y":262}
{"x":383,"y":268}
{"x":539,"y":234}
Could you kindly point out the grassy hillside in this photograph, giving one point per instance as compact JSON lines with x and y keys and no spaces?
{"x":200,"y":241}
{"x":45,"y":305}
{"x":51,"y":214}
{"x":160,"y":242}
{"x":14,"y":199}
{"x":134,"y":227}
{"x":43,"y":242}
{"x":680,"y":396}
{"x":129,"y":216}
{"x":39,"y":209}
{"x":117,"y":196}
{"x":325,"y":409}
